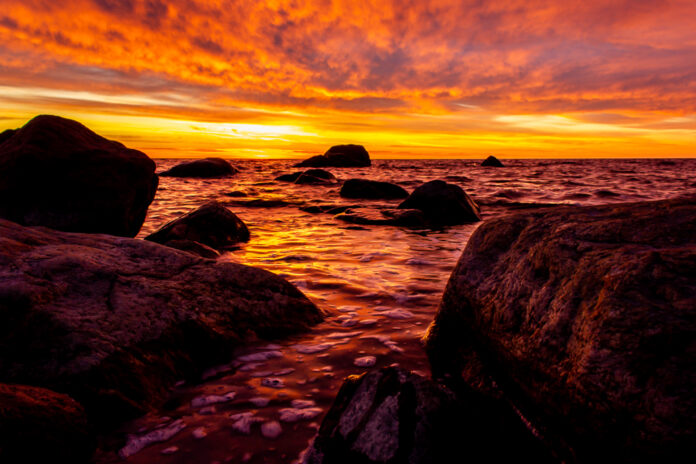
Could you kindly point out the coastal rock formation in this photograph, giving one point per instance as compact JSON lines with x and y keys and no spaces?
{"x":212,"y":225}
{"x":339,"y":156}
{"x":207,"y":167}
{"x":310,"y":176}
{"x":39,"y":425}
{"x":492,"y":161}
{"x":363,"y":188}
{"x":395,"y":416}
{"x":114,"y":322}
{"x":57,"y":173}
{"x":586,"y":318}
{"x":443,"y":203}
{"x":383,"y":217}
{"x":316,"y":176}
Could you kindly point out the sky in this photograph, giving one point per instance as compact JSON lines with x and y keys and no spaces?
{"x":405,"y":78}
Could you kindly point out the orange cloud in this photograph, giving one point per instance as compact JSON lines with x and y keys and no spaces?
{"x":458,"y":77}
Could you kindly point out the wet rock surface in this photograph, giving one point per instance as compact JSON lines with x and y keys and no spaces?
{"x":586,"y":319}
{"x":443,"y":203}
{"x":384,"y":217}
{"x":340,"y":156}
{"x":55,"y":172}
{"x":492,"y":161}
{"x":114,"y":322}
{"x":205,"y":168}
{"x":363,"y":188}
{"x":39,"y":425}
{"x":211,"y":225}
{"x":395,"y":416}
{"x":310,"y":176}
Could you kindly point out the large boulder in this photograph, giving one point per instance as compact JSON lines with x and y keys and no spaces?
{"x":212,"y":225}
{"x":443,"y":203}
{"x":586,"y":318}
{"x":57,"y":173}
{"x":492,"y":161}
{"x":39,"y":425}
{"x":310,"y":176}
{"x":114,"y":322}
{"x":395,"y":416}
{"x":363,"y":188}
{"x":339,"y":156}
{"x":207,"y":167}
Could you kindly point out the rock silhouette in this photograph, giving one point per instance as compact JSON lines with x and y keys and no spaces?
{"x":57,"y":173}
{"x":363,"y":188}
{"x":443,"y":203}
{"x":492,"y":161}
{"x":205,"y":168}
{"x":340,"y":156}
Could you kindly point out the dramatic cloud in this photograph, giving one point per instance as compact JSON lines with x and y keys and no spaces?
{"x":474,"y":75}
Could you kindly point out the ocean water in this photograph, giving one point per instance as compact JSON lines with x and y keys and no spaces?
{"x":379,"y":285}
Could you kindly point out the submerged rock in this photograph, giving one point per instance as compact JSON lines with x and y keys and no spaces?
{"x":586,"y":318}
{"x":384,"y":217}
{"x":207,"y":167}
{"x":363,"y":188}
{"x":57,"y":173}
{"x":340,"y":156}
{"x":114,"y":322}
{"x":395,"y":416}
{"x":39,"y":425}
{"x":212,"y":225}
{"x":443,"y":203}
{"x":492,"y":161}
{"x":310,"y":176}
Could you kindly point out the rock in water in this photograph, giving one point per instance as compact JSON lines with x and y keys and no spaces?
{"x":443,"y":203}
{"x":363,"y":188}
{"x":586,"y":318}
{"x":57,"y":173}
{"x":492,"y":161}
{"x":339,"y":156}
{"x":207,"y":167}
{"x":114,"y":322}
{"x":316,"y":176}
{"x":39,"y":425}
{"x":395,"y":416}
{"x":212,"y":225}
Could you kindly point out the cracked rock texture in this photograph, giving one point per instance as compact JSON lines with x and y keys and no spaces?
{"x":586,"y":319}
{"x":115,"y":321}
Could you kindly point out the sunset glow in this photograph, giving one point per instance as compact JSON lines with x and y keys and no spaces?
{"x":283,"y":79}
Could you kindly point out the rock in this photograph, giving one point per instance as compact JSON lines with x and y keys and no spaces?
{"x":340,"y":156}
{"x":207,"y":167}
{"x":492,"y":161}
{"x":236,"y":194}
{"x":212,"y":225}
{"x":586,"y":318}
{"x":195,"y":248}
{"x":316,"y":176}
{"x":392,"y":415}
{"x":6,"y":134}
{"x":363,"y":188}
{"x":310,"y":176}
{"x":384,"y":217}
{"x":114,"y":322}
{"x":39,"y":425}
{"x":57,"y":173}
{"x":443,"y":203}
{"x":289,"y":177}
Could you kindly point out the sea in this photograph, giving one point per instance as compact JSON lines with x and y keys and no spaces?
{"x":379,"y":286}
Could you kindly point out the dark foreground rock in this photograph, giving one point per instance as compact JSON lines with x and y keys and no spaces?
{"x":398,"y":417}
{"x":586,"y":318}
{"x":114,"y":322}
{"x":212,"y":225}
{"x":207,"y":167}
{"x":492,"y":161}
{"x":443,"y":203}
{"x":39,"y":425}
{"x":339,"y":156}
{"x":57,"y":173}
{"x":363,"y":188}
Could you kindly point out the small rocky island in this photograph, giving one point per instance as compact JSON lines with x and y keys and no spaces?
{"x":339,"y":156}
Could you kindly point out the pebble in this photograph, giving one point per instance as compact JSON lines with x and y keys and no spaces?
{"x":295,"y":414}
{"x":260,"y":402}
{"x":170,"y":450}
{"x":271,"y":429}
{"x":243,"y":421}
{"x":365,"y":361}
{"x":273,"y":382}
{"x":260,"y":356}
{"x":207,"y":400}
{"x":136,"y":443}
{"x":310,"y":349}
{"x":301,"y":404}
{"x":398,"y":314}
{"x":199,"y":433}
